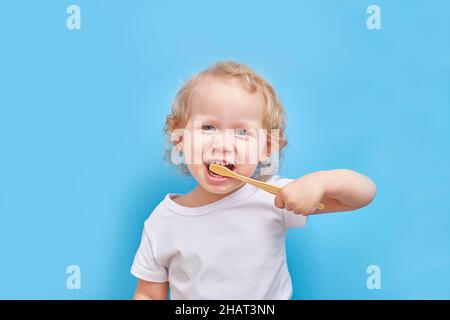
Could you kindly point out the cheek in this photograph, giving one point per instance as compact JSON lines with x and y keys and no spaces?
{"x":246,"y":170}
{"x":262,"y":145}
{"x":247,"y":152}
{"x":196,"y":170}
{"x":193,"y":150}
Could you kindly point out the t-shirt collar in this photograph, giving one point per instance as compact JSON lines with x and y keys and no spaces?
{"x":242,"y":193}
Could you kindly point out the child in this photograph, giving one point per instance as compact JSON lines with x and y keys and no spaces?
{"x":226,"y":239}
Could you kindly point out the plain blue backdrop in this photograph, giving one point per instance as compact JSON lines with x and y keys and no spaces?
{"x":81,"y":144}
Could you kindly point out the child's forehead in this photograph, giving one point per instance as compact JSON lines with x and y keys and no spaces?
{"x":225,"y":99}
{"x":222,"y":87}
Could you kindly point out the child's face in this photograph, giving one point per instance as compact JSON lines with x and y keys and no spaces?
{"x":225,"y":124}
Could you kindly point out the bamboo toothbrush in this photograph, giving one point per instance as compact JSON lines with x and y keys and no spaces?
{"x":224,"y":171}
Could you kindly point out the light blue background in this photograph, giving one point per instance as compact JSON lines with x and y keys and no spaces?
{"x":81,"y":145}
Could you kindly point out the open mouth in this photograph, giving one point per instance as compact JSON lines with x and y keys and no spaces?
{"x":230,"y":166}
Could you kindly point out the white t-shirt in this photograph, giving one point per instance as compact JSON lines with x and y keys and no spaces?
{"x":233,"y":248}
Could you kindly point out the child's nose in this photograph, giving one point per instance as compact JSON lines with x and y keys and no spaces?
{"x":224,"y":143}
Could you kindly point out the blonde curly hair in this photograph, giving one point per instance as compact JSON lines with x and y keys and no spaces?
{"x":273,"y":119}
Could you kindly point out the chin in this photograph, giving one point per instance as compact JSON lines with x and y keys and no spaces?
{"x":221,"y":189}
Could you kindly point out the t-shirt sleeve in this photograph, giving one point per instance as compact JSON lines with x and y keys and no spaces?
{"x":290,"y":219}
{"x":145,"y":265}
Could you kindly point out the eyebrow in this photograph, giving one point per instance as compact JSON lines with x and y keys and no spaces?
{"x":237,"y":123}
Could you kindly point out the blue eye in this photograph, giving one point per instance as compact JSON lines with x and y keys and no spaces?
{"x":208,"y":127}
{"x":241,"y":132}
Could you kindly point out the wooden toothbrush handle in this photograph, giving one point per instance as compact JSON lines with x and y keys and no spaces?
{"x":265,"y":186}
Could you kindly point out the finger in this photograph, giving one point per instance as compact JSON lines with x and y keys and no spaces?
{"x":279,"y":202}
{"x":309,"y":211}
{"x":289,"y":205}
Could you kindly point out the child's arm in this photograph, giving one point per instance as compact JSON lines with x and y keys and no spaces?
{"x":338,"y":190}
{"x":146,"y":290}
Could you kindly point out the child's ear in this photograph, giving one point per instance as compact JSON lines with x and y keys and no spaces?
{"x":265,"y":155}
{"x":268,"y":150}
{"x":177,"y":139}
{"x":179,"y":144}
